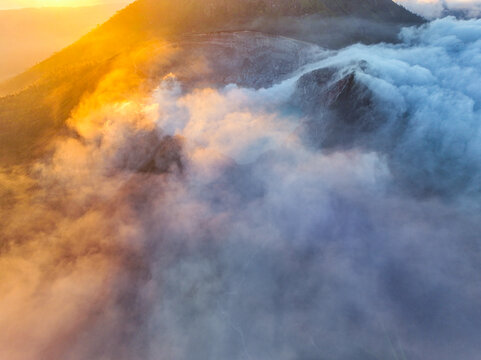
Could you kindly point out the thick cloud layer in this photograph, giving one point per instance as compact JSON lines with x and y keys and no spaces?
{"x":438,"y":8}
{"x":272,"y":223}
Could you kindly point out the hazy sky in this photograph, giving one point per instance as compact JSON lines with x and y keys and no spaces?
{"x":27,"y":37}
{"x":13,"y":4}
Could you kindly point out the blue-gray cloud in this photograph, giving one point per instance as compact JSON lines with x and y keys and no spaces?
{"x":439,"y":8}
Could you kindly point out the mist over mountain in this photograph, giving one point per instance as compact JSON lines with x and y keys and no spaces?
{"x":245,"y":180}
{"x":136,"y":35}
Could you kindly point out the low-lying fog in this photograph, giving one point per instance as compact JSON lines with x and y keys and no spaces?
{"x":297,"y":203}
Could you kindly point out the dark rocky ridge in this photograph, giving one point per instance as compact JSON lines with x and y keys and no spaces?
{"x":342,"y":111}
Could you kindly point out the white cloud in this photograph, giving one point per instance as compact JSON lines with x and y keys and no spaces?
{"x":436,"y":8}
{"x":259,"y":245}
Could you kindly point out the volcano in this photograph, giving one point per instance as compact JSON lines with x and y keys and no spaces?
{"x":245,"y":179}
{"x":36,"y":104}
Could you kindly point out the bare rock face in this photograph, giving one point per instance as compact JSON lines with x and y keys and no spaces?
{"x":340,"y":109}
{"x":247,"y":59}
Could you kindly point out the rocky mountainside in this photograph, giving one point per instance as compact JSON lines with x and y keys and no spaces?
{"x":147,"y":19}
{"x":38,"y":102}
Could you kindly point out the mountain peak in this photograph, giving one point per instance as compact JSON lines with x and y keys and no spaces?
{"x":65,"y":77}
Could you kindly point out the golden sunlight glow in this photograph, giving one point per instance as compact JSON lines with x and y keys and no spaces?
{"x":66,"y":2}
{"x":12,"y":4}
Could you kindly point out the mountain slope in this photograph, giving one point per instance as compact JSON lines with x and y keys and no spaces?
{"x":42,"y":98}
{"x":147,"y":19}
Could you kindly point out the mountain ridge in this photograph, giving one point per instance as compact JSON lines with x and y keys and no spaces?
{"x":41,"y":99}
{"x":134,"y":15}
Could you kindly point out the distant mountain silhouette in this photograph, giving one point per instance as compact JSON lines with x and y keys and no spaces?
{"x":28,"y":36}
